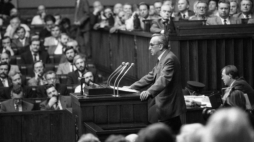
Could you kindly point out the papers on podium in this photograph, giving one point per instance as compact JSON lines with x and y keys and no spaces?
{"x":124,"y":89}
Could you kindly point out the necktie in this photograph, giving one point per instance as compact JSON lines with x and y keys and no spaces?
{"x":225,"y":22}
{"x":34,"y":57}
{"x":184,"y":16}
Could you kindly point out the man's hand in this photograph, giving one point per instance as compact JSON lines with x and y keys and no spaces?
{"x":162,"y":31}
{"x":52,"y":101}
{"x":144,"y":95}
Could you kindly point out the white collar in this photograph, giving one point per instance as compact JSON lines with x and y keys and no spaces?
{"x":159,"y":58}
{"x":227,"y":20}
{"x":232,"y":83}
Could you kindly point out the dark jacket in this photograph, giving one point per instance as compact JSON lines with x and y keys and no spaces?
{"x":27,"y":58}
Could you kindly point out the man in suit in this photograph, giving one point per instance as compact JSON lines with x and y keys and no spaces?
{"x":246,"y":10}
{"x":167,"y":101}
{"x":223,"y":18}
{"x":81,"y":19}
{"x":21,"y":43}
{"x":201,"y":11}
{"x":88,"y":82}
{"x":143,"y":20}
{"x":6,"y":45}
{"x":49,"y":23}
{"x":52,"y":40}
{"x":163,"y":24}
{"x":184,"y":13}
{"x":231,"y":78}
{"x":68,"y":66}
{"x":34,"y":54}
{"x":38,"y":79}
{"x":5,"y":80}
{"x":55,"y":101}
{"x":5,"y":57}
{"x":51,"y":79}
{"x":16,"y":104}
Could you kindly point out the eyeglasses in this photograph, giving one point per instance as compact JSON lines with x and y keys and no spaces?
{"x":151,"y":44}
{"x":201,"y":7}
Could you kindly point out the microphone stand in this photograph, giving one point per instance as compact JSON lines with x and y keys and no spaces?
{"x":114,"y":73}
{"x":117,"y":87}
{"x":126,"y":64}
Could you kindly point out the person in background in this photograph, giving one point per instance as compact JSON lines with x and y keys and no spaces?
{"x":38,"y":78}
{"x":246,"y":10}
{"x":6,"y":8}
{"x":119,"y":23}
{"x":16,"y":103}
{"x":97,"y":12}
{"x":60,"y":46}
{"x":152,"y":12}
{"x":106,"y":19}
{"x":212,"y":8}
{"x":53,"y":39}
{"x":39,"y":18}
{"x":14,"y":12}
{"x":14,"y":24}
{"x":200,"y":12}
{"x":58,"y":18}
{"x":184,"y":12}
{"x":142,"y":21}
{"x":88,"y":138}
{"x":22,"y":42}
{"x":68,"y":66}
{"x":233,"y":7}
{"x":65,"y":27}
{"x":157,"y":7}
{"x":117,"y":8}
{"x":88,"y":82}
{"x":6,"y":46}
{"x":5,"y":57}
{"x":49,"y":23}
{"x":5,"y":80}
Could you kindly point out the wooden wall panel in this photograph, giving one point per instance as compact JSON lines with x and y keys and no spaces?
{"x":193,"y":62}
{"x":203,"y":62}
{"x":220,"y":46}
{"x":114,"y":114}
{"x":185,"y":61}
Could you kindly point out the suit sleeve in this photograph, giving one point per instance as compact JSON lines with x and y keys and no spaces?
{"x":144,"y":81}
{"x":155,"y":28}
{"x":164,"y":79}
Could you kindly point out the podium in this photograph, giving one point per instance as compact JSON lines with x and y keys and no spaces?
{"x":104,"y":115}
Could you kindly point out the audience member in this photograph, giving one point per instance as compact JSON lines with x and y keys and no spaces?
{"x":14,"y":24}
{"x":16,"y":103}
{"x":5,"y":57}
{"x":152,"y":12}
{"x":60,"y":46}
{"x":49,"y":23}
{"x":223,"y":18}
{"x":116,"y":138}
{"x":34,"y":54}
{"x":38,"y":78}
{"x":88,"y":138}
{"x":39,"y":18}
{"x":228,"y":125}
{"x":200,"y":12}
{"x":6,"y":45}
{"x":245,"y":10}
{"x":67,"y":66}
{"x":14,"y":12}
{"x":157,"y":132}
{"x":97,"y":12}
{"x":16,"y":78}
{"x":191,"y":133}
{"x":233,"y":7}
{"x":58,"y":18}
{"x":21,"y":43}
{"x":142,"y":21}
{"x":55,"y":101}
{"x":237,"y":99}
{"x":117,"y":8}
{"x":52,"y":40}
{"x":119,"y":23}
{"x":157,"y":6}
{"x":106,"y":19}
{"x":131,"y":137}
{"x":51,"y":79}
{"x":6,"y":8}
{"x":88,"y":82}
{"x":212,"y":8}
{"x":184,"y":12}
{"x":5,"y":79}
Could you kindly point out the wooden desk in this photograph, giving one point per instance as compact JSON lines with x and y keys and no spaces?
{"x":106,"y":115}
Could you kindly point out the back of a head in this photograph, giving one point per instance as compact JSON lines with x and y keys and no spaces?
{"x":228,"y":125}
{"x":88,"y":138}
{"x":158,"y":132}
{"x":116,"y":138}
{"x":237,"y":99}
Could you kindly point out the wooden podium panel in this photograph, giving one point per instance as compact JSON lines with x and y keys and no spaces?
{"x":106,"y":115}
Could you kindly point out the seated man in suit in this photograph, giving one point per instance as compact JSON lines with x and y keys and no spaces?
{"x":67,"y":67}
{"x":6,"y":45}
{"x":34,"y":54}
{"x":61,"y":45}
{"x":5,"y":57}
{"x":49,"y":23}
{"x":55,"y":101}
{"x":38,"y":79}
{"x":88,"y":82}
{"x":5,"y":79}
{"x":184,"y":12}
{"x":159,"y":25}
{"x":231,"y":78}
{"x":234,"y":9}
{"x":223,"y":18}
{"x":16,"y":104}
{"x":21,"y":43}
{"x":52,"y":40}
{"x":51,"y":79}
{"x":201,"y":11}
{"x":246,"y":10}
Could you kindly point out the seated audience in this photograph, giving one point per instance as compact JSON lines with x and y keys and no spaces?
{"x":142,"y":20}
{"x":159,"y":25}
{"x":67,"y":66}
{"x":190,"y":133}
{"x":34,"y":54}
{"x":6,"y":8}
{"x":228,"y":125}
{"x":238,"y":99}
{"x":88,"y":138}
{"x":16,"y":103}
{"x":212,"y":8}
{"x":6,"y":46}
{"x":245,"y":10}
{"x":58,"y":18}
{"x":5,"y":57}
{"x":200,"y":12}
{"x":231,"y":78}
{"x":129,"y":15}
{"x":119,"y":22}
{"x":117,"y":8}
{"x":157,"y":7}
{"x":38,"y":78}
{"x":65,"y":27}
{"x":223,"y":18}
{"x":51,"y":79}
{"x":88,"y":82}
{"x":14,"y":24}
{"x":39,"y":18}
{"x":55,"y":101}
{"x":97,"y":12}
{"x":21,"y":43}
{"x":5,"y":79}
{"x":184,"y":12}
{"x":152,"y":12}
{"x":106,"y":19}
{"x":52,"y":40}
{"x":233,"y":7}
{"x":131,"y":137}
{"x":49,"y":23}
{"x":157,"y":132}
{"x":14,"y":12}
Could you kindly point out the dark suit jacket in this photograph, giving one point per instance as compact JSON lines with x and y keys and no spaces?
{"x":165,"y":81}
{"x":217,"y":20}
{"x":27,"y":58}
{"x":9,"y":82}
{"x":65,"y":102}
{"x":73,"y":77}
{"x":82,"y":14}
{"x":18,"y":45}
{"x":158,"y":25}
{"x":241,"y":16}
{"x":241,"y":84}
{"x":8,"y":106}
{"x":178,"y":14}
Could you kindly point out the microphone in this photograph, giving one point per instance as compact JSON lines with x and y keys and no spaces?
{"x":123,"y":68}
{"x":114,"y":73}
{"x":122,"y":78}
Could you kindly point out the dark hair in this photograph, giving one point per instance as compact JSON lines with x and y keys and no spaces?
{"x":216,"y":1}
{"x":143,"y":3}
{"x":6,"y":37}
{"x":49,"y":18}
{"x":48,"y":86}
{"x":65,"y":21}
{"x":224,"y":1}
{"x":19,"y":28}
{"x":17,"y":89}
{"x":5,"y":63}
{"x":69,"y":48}
{"x":232,"y":70}
{"x":237,"y":99}
{"x":40,"y":61}
{"x":49,"y":72}
{"x":34,"y":39}
{"x":7,"y":52}
{"x":163,"y":39}
{"x":15,"y":16}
